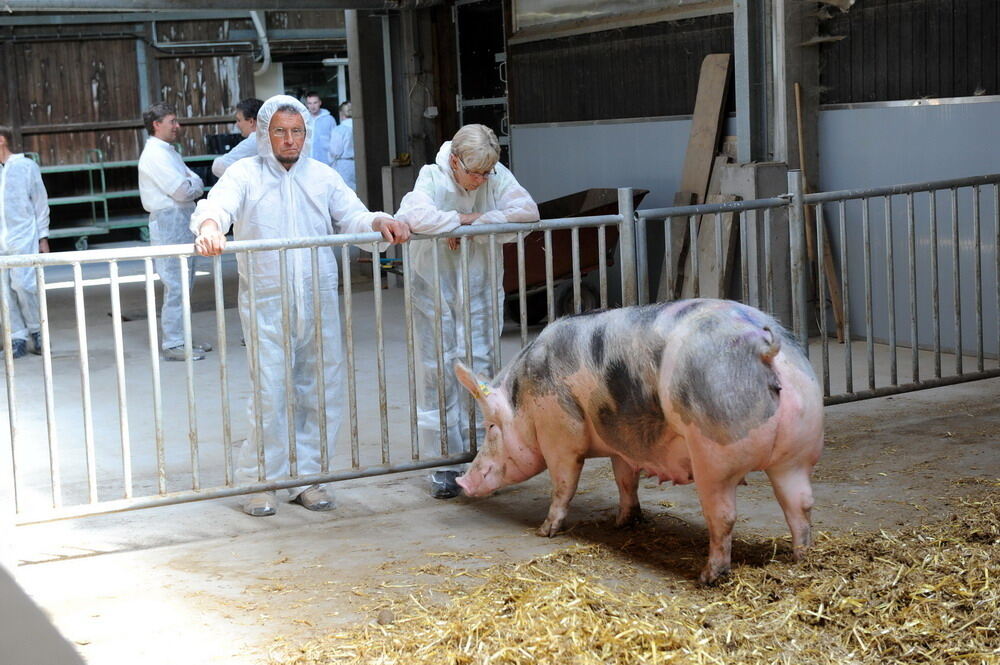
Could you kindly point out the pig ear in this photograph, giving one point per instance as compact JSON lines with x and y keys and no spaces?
{"x":472,"y":382}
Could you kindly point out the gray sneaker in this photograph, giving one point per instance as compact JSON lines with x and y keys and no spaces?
{"x":261,"y":504}
{"x":177,"y":353}
{"x":315,"y":497}
{"x":36,"y":343}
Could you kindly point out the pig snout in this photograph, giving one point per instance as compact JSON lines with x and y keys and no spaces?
{"x":477,"y":481}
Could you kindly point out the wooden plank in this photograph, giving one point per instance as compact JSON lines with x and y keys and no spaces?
{"x":706,"y":126}
{"x":686,"y":278}
{"x":709,"y":265}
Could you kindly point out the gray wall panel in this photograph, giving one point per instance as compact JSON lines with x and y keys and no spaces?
{"x":878,"y":146}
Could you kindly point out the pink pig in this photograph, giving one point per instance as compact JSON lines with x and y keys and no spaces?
{"x":700,"y":391}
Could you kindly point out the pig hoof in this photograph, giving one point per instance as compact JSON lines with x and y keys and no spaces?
{"x":630,"y":519}
{"x":548,"y":529}
{"x":710,"y":576}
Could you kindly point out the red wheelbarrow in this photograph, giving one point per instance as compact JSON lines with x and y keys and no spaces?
{"x":586,"y":203}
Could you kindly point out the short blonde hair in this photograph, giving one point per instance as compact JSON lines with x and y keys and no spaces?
{"x":477,"y":147}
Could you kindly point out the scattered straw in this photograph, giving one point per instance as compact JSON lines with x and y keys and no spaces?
{"x":925,"y":594}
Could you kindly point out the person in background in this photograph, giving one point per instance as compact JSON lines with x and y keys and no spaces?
{"x":321,"y":124}
{"x":24,"y":229}
{"x":465,"y":185}
{"x":342,"y":147}
{"x":168,"y":190}
{"x":246,"y":122}
{"x":282,"y":193}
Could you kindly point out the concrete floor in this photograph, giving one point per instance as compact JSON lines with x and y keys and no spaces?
{"x":204,"y":583}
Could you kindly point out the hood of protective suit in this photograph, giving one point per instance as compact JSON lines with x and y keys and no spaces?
{"x":264,"y":116}
{"x":443,"y":162}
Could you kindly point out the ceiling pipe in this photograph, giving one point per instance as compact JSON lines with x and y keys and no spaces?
{"x":265,"y":46}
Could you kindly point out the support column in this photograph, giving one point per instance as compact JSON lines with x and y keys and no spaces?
{"x":367,"y":83}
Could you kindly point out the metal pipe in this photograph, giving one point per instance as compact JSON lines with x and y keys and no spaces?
{"x":957,"y":283}
{"x":411,"y":370}
{"x":222,"y":344}
{"x":154,"y":359}
{"x":255,"y":371}
{"x":602,"y":262}
{"x":496,"y":313}
{"x":626,"y":246}
{"x":824,"y":333}
{"x":910,"y":387}
{"x":911,"y":243}
{"x":720,"y":261}
{"x":669,"y":270}
{"x":875,"y":192}
{"x":439,"y":348}
{"x":189,"y":370}
{"x":745,"y":265}
{"x":977,"y":246}
{"x":116,"y":325}
{"x":383,"y":402}
{"x":869,"y":332}
{"x":352,"y":392}
{"x":695,"y":275}
{"x":8,"y":353}
{"x":550,"y":301}
{"x":846,"y":301}
{"x":321,"y":364}
{"x":935,"y":290}
{"x":265,"y":46}
{"x":799,"y":271}
{"x":467,"y":326}
{"x":768,"y":263}
{"x":521,"y":290}
{"x":712,"y":208}
{"x":88,"y":414}
{"x":55,"y":471}
{"x":284,"y":288}
{"x":641,"y":260}
{"x":890,"y":285}
{"x":575,"y":255}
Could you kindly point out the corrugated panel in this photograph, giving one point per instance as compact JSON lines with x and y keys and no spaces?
{"x":199,"y":31}
{"x":78,"y":81}
{"x":910,"y":49}
{"x":72,"y":147}
{"x":644,"y":71}
{"x":309,"y":20}
{"x":205,"y":86}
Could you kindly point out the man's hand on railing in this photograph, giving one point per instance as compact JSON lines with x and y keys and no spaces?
{"x":393,"y":231}
{"x":211,"y":240}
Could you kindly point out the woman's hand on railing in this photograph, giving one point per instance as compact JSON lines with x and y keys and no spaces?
{"x":393,"y":231}
{"x":211,"y":240}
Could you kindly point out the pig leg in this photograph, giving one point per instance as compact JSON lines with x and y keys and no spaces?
{"x":627,"y":480}
{"x":718,"y":504}
{"x":794,"y":493}
{"x":565,"y":474}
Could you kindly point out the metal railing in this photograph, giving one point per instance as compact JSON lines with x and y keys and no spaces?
{"x":906,"y":277}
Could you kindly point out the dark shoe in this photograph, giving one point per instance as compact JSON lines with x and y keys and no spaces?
{"x":36,"y":343}
{"x":177,"y":353}
{"x":19,"y":348}
{"x":202,"y":347}
{"x":315,"y":498}
{"x":443,"y":485}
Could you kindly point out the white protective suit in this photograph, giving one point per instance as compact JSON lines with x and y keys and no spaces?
{"x":24,"y":219}
{"x":245,"y":148}
{"x":342,"y":151}
{"x":259,"y":199}
{"x":168,"y":189}
{"x":321,"y":126}
{"x":433,"y":207}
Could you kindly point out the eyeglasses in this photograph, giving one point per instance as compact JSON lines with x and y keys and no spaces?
{"x":281,"y":133}
{"x":475,"y":174}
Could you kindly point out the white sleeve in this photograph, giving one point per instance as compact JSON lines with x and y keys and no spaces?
{"x":513,"y":205}
{"x":348,"y":213}
{"x":418,"y":211}
{"x":336,"y":144}
{"x":40,"y":200}
{"x":222,"y":203}
{"x":245,"y":148}
{"x":190,"y":190}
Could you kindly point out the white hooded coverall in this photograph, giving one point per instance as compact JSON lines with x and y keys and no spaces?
{"x":433,"y":207}
{"x":259,"y":199}
{"x":168,"y":189}
{"x":342,"y":151}
{"x":24,"y":219}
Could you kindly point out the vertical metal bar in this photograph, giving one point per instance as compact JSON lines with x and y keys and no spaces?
{"x":496,"y":313}
{"x":911,"y":243}
{"x":869,"y":325}
{"x":88,"y":415}
{"x":626,"y":245}
{"x":935,"y":287}
{"x":222,"y":344}
{"x":846,"y":300}
{"x":799,"y":271}
{"x":720,"y":284}
{"x":8,"y":354}
{"x":550,"y":300}
{"x":467,"y":326}
{"x":286,"y":351}
{"x":55,"y":470}
{"x":439,"y":347}
{"x":602,"y":262}
{"x":411,"y":369}
{"x":254,"y":333}
{"x":575,"y":253}
{"x":352,"y":390}
{"x":154,"y":358}
{"x":890,"y":287}
{"x":189,"y":370}
{"x":957,"y":284}
{"x":768,"y":264}
{"x":116,"y":324}
{"x":745,"y":264}
{"x":977,"y":246}
{"x":668,"y":257}
{"x":383,"y":402}
{"x":695,"y":275}
{"x":641,"y":261}
{"x":996,"y":258}
{"x":522,"y":290}
{"x":824,"y":333}
{"x":317,"y":305}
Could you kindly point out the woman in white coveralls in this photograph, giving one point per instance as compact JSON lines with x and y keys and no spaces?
{"x":464,"y":185}
{"x":282,"y":193}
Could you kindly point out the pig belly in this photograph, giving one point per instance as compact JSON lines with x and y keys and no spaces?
{"x":668,"y":461}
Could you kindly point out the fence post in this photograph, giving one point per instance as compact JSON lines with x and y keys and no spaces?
{"x":626,"y":247}
{"x":797,"y":249}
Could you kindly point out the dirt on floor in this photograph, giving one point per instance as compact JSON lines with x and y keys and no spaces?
{"x":203,"y":583}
